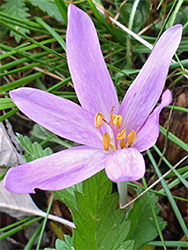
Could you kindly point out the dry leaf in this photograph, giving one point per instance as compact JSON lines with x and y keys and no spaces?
{"x":8,"y":154}
{"x":17,"y":205}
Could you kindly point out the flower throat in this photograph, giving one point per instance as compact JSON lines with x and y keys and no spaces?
{"x":119,"y":136}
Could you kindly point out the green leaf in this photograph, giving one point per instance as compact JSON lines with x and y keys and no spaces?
{"x":127,"y":245}
{"x":34,"y":150}
{"x":99,"y":225}
{"x":68,"y":195}
{"x":16,"y":8}
{"x":42,"y":134}
{"x":143,"y":229}
{"x":49,"y":7}
{"x":92,"y":201}
{"x":63,"y":245}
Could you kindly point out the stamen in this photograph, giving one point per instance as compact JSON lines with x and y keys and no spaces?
{"x":122,"y":144}
{"x":121,"y":135}
{"x":132,"y":137}
{"x":106,"y":141}
{"x":117,"y":120}
{"x":118,"y":136}
{"x":98,"y":120}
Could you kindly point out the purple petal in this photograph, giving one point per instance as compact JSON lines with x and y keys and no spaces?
{"x":145,"y":91}
{"x":149,"y":133}
{"x":59,"y":115}
{"x":55,"y":172}
{"x":92,"y":81}
{"x":125,"y":165}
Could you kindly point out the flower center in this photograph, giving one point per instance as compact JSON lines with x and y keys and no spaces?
{"x":118,"y":138}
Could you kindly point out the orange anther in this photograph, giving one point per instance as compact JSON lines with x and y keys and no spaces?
{"x":122,"y":144}
{"x":98,"y":120}
{"x":121,"y":135}
{"x":117,"y":120}
{"x":132,"y":137}
{"x":106,"y":141}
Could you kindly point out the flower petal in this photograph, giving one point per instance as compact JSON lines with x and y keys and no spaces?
{"x":55,"y":172}
{"x":149,"y":133}
{"x":125,"y":165}
{"x":145,"y":91}
{"x":92,"y":81}
{"x":59,"y":115}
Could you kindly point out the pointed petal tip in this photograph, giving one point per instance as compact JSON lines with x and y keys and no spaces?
{"x":73,"y":10}
{"x":10,"y":185}
{"x":18,"y":90}
{"x":15,"y":94}
{"x":175,"y":31}
{"x":72,"y":6}
{"x":178,"y":27}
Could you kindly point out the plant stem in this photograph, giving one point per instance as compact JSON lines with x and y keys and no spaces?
{"x":122,"y":189}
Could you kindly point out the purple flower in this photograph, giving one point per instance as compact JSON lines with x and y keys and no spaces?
{"x":113,"y":136}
